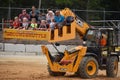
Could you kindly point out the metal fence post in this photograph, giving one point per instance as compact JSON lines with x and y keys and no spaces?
{"x":2,"y":34}
{"x":104,"y":17}
{"x":2,"y":23}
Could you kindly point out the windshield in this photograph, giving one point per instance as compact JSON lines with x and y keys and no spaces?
{"x":93,"y":37}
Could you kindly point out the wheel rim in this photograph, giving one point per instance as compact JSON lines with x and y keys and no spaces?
{"x":115,"y":67}
{"x":91,"y":68}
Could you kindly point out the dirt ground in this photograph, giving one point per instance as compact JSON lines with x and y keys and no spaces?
{"x":35,"y":68}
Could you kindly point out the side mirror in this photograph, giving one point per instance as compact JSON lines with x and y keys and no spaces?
{"x":84,"y":38}
{"x":57,"y":44}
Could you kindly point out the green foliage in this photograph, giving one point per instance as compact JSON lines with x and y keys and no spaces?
{"x":68,"y":2}
{"x":49,"y":4}
{"x":94,"y":4}
{"x":113,"y":5}
{"x":74,"y":4}
{"x":64,"y":3}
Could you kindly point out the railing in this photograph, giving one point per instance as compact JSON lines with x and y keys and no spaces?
{"x":67,"y":32}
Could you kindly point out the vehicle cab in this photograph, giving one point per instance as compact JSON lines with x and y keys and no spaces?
{"x":95,"y":46}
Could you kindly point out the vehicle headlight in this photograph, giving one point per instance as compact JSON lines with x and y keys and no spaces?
{"x":84,"y":43}
{"x":104,"y":53}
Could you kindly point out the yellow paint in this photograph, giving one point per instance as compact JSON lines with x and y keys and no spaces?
{"x":93,"y":66}
{"x":71,"y":67}
{"x":26,"y":34}
{"x":117,"y":48}
{"x":65,"y":35}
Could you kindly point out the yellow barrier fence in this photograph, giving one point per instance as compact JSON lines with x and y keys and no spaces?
{"x":26,"y":34}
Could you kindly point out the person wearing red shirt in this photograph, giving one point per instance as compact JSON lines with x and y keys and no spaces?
{"x":16,"y":23}
{"x":24,"y":14}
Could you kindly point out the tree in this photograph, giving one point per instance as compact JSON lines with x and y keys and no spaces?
{"x":111,"y":5}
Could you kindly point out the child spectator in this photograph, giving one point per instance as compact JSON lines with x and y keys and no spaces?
{"x":43,"y":25}
{"x":16,"y":23}
{"x":33,"y":24}
{"x":24,"y":14}
{"x":25,"y":23}
{"x":52,"y":25}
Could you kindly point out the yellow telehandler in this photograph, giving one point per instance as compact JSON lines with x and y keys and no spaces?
{"x":86,"y":59}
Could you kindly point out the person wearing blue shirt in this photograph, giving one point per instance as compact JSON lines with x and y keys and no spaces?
{"x":58,"y":17}
{"x":59,"y":20}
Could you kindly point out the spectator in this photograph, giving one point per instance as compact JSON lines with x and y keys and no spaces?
{"x":25,"y":23}
{"x":43,"y":25}
{"x":50,"y":16}
{"x":52,"y":27}
{"x":33,"y":15}
{"x":35,"y":11}
{"x":42,"y":17}
{"x":16,"y":23}
{"x":33,"y":24}
{"x":59,"y":19}
{"x":24,"y":14}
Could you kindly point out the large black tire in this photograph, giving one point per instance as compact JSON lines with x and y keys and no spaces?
{"x":88,"y":67}
{"x":52,"y":73}
{"x":112,"y":66}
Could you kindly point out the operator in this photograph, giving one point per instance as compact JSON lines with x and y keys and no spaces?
{"x":103,"y":40}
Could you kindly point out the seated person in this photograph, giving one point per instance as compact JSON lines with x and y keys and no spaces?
{"x":25,"y":23}
{"x":59,"y":19}
{"x":103,"y":40}
{"x":24,"y":14}
{"x":49,"y":16}
{"x":43,"y":25}
{"x":16,"y":23}
{"x":52,"y":25}
{"x":33,"y":24}
{"x":42,"y":16}
{"x":33,"y":15}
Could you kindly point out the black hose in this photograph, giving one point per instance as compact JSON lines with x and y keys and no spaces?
{"x":55,"y":48}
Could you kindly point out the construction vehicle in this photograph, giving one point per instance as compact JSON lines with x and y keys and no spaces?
{"x":84,"y":60}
